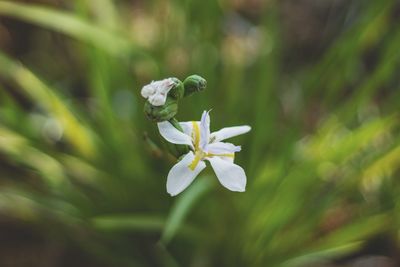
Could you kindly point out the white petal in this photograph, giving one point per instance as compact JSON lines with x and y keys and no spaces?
{"x":165,"y":85}
{"x":148,"y":90}
{"x":229,"y":159}
{"x":229,"y":132}
{"x":181,"y":176}
{"x":204,"y":129}
{"x":157,"y":91}
{"x":157,"y":99}
{"x":187,"y":127}
{"x":229,"y":175}
{"x":173,"y":135}
{"x":222,"y":148}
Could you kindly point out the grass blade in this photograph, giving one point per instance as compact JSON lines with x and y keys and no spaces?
{"x":69,"y":24}
{"x":183,"y":206}
{"x":44,"y":96}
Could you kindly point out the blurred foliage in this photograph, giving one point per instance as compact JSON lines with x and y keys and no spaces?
{"x":316,"y":80}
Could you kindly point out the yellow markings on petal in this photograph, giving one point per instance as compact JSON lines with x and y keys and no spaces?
{"x":197,"y":157}
{"x":199,"y":154}
{"x":196,"y":135}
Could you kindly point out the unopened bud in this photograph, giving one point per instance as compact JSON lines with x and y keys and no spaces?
{"x":194,"y":83}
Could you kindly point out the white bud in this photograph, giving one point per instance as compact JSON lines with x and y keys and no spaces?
{"x":156,"y":92}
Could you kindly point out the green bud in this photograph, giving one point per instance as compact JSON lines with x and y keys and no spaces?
{"x":194,"y":83}
{"x":178,"y":90}
{"x":161,"y":113}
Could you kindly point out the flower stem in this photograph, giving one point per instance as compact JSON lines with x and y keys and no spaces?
{"x":176,"y":124}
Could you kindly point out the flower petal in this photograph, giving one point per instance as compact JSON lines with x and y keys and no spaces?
{"x":229,"y":175}
{"x":181,"y":176}
{"x":229,"y":159}
{"x":173,"y":135}
{"x":166,"y":85}
{"x":156,"y":92}
{"x":222,"y":148}
{"x":229,"y":132}
{"x":204,"y":129}
{"x":187,"y":127}
{"x":157,"y":99}
{"x":148,"y":90}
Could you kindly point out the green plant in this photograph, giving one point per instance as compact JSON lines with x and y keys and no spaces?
{"x":323,"y":154}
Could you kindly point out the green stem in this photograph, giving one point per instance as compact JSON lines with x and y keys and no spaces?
{"x":176,"y":124}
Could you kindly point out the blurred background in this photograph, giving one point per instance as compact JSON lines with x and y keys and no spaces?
{"x":318,"y":81}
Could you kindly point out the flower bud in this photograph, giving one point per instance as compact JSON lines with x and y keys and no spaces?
{"x":178,"y":90}
{"x":194,"y":83}
{"x":156,"y":92}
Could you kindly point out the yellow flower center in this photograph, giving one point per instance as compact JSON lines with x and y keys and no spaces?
{"x":199,"y":154}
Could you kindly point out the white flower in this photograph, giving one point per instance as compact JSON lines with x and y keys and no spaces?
{"x":204,"y":146}
{"x":156,"y":91}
